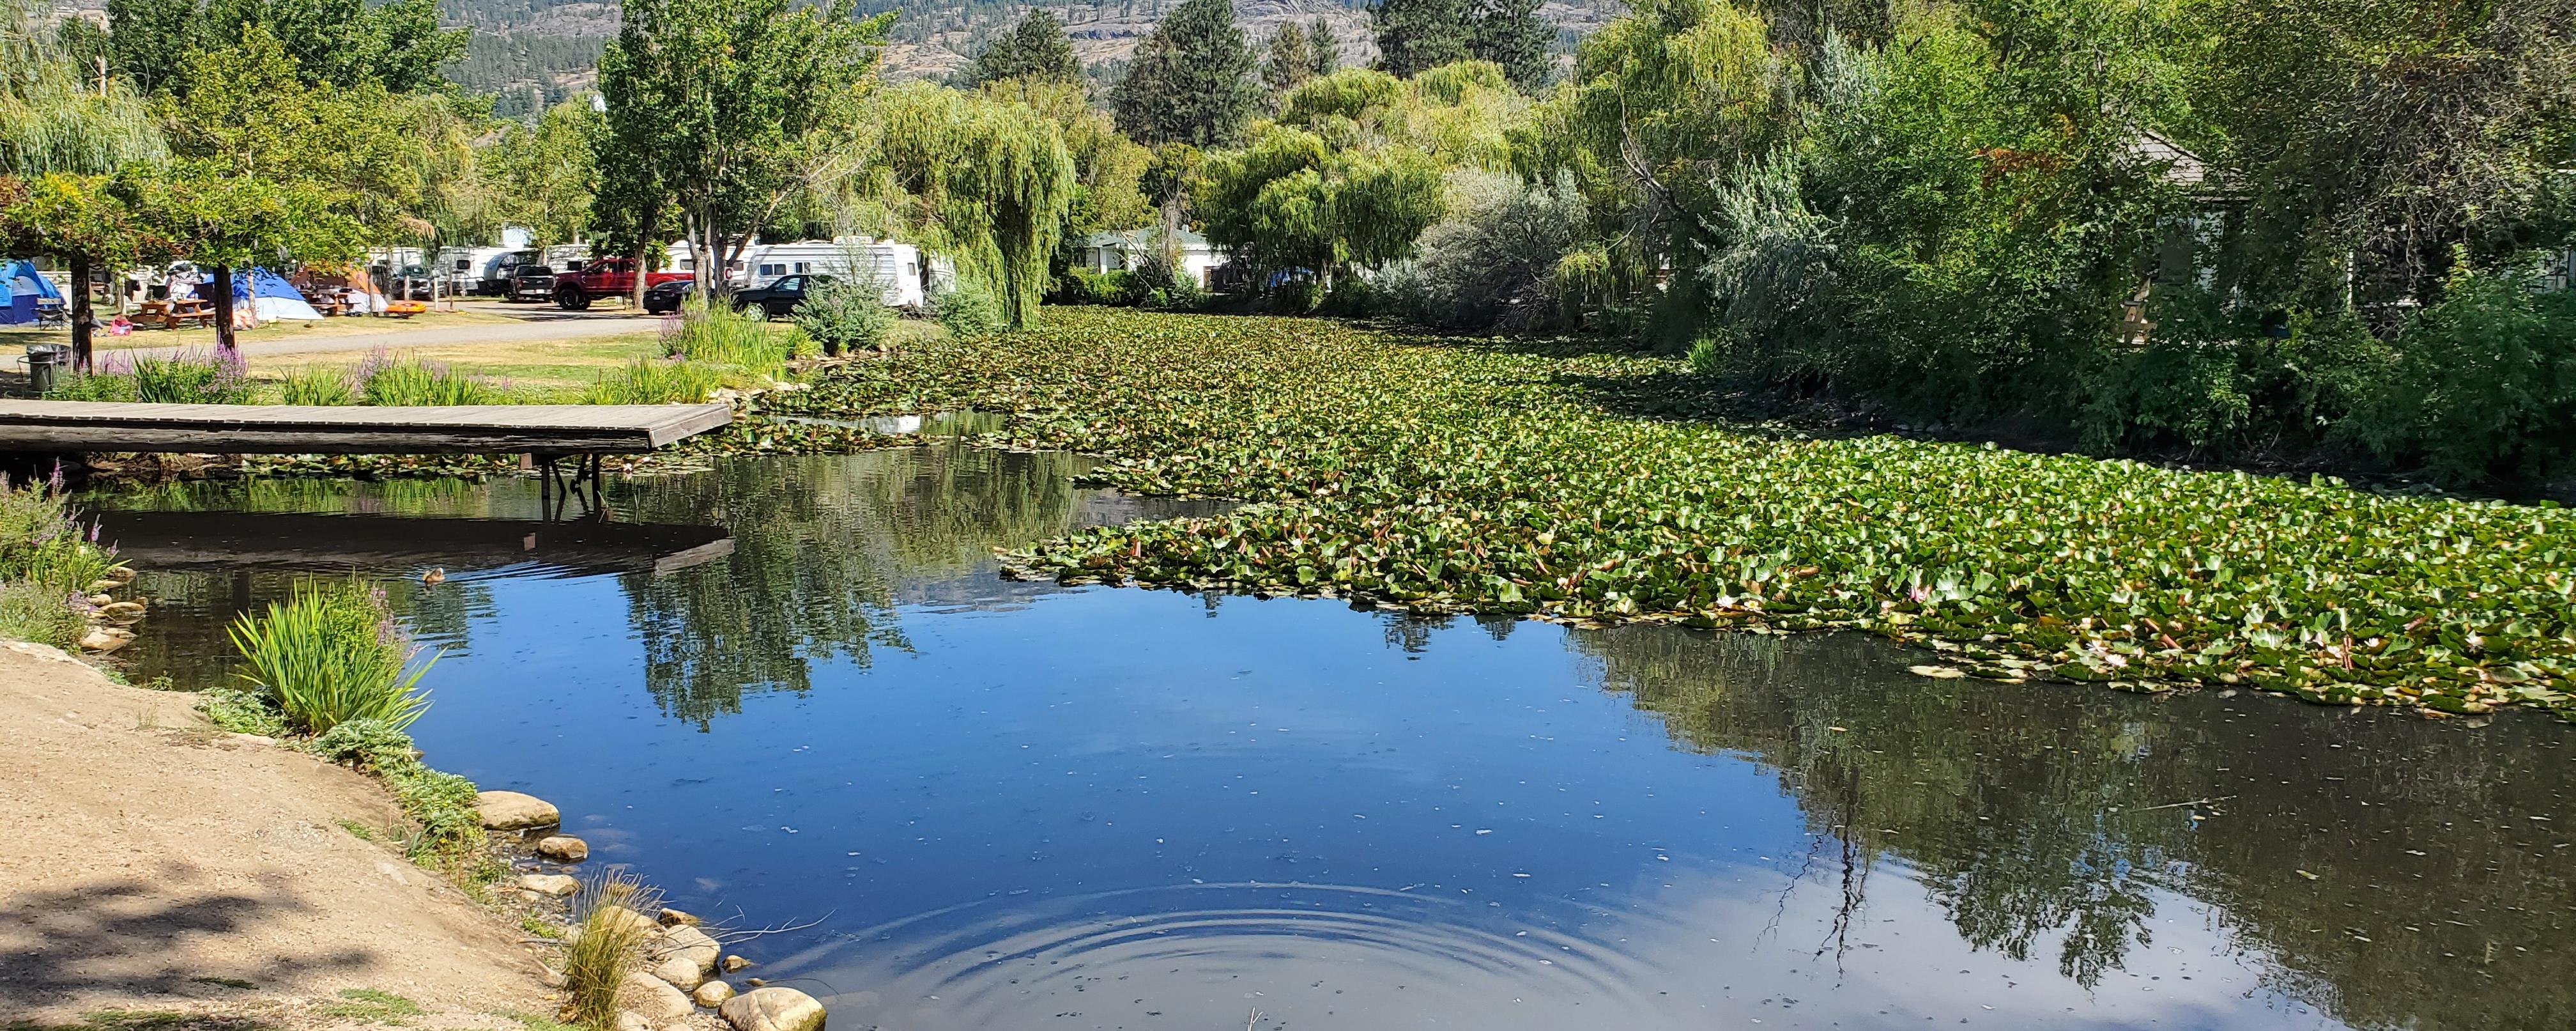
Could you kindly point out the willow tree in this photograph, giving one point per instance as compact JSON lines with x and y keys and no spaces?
{"x":56,"y":125}
{"x":984,"y":180}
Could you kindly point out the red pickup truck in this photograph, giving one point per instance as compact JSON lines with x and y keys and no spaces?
{"x":605,"y":277}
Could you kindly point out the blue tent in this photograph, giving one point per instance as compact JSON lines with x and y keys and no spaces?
{"x":22,"y":286}
{"x":271,"y":296}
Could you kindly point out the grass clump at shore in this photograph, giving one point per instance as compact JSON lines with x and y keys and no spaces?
{"x":645,"y":381}
{"x":724,"y":336}
{"x":610,"y":932}
{"x":1566,"y":481}
{"x":330,"y":654}
{"x":48,"y":559}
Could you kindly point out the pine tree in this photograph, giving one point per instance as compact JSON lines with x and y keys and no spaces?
{"x":1035,"y":49}
{"x":1291,"y":59}
{"x":1511,"y":33}
{"x":1323,"y":48}
{"x":1413,"y":35}
{"x":1191,"y":81}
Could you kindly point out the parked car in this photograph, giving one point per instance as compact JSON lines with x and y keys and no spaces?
{"x":531,"y":283}
{"x":605,"y":277}
{"x":780,"y":297}
{"x":665,"y":298}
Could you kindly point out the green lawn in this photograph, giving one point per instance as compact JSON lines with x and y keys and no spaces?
{"x":1572,"y":482}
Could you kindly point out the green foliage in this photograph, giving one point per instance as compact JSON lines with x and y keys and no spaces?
{"x":31,"y":611}
{"x":546,"y":174}
{"x":845,"y":315}
{"x":1291,"y":202}
{"x":46,"y":555}
{"x":411,"y":381}
{"x":96,"y":386}
{"x":645,"y":381}
{"x":1414,"y":36}
{"x":1288,"y":60}
{"x":1035,"y":49}
{"x":1191,"y":80}
{"x":317,"y":385}
{"x":2483,"y":385}
{"x":990,"y":180}
{"x":442,"y":804}
{"x":725,"y":335}
{"x":607,"y":912}
{"x":967,"y":310}
{"x":395,"y":46}
{"x":366,"y":744}
{"x":1396,"y":469}
{"x":53,"y":116}
{"x":241,"y":712}
{"x":331,"y":654}
{"x":1116,"y":286}
{"x":370,"y":1006}
{"x":1492,"y":261}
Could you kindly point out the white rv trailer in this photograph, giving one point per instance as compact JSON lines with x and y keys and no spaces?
{"x":898,"y":266}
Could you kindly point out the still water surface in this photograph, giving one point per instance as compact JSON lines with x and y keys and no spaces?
{"x":795,"y":690}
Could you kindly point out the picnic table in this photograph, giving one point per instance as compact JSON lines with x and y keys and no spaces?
{"x":172,"y":314}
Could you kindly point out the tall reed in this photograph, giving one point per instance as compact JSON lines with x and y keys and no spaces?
{"x":645,"y":381}
{"x":330,"y":654}
{"x":723,"y":336}
{"x":610,"y":931}
{"x":410,"y":381}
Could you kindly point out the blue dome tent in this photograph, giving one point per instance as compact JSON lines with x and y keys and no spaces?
{"x":21,"y":286}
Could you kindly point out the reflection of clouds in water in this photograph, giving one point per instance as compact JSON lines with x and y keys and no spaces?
{"x":1715,"y":946}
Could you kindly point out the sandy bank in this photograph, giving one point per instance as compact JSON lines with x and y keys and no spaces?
{"x":153,"y":863}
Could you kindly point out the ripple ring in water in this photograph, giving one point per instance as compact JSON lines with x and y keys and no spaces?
{"x":1199,"y":950}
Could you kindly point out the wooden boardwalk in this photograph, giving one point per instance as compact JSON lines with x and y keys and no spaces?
{"x":97,"y":426}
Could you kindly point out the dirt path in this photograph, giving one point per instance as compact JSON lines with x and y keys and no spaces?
{"x":542,"y":327}
{"x":155,"y":864}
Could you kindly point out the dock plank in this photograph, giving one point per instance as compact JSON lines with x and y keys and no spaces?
{"x":83,"y":426}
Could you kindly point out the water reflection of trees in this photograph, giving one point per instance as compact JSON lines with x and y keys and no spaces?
{"x":824,"y":550}
{"x":2044,"y":817}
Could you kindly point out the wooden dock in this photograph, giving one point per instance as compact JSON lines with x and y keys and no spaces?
{"x":98,"y":426}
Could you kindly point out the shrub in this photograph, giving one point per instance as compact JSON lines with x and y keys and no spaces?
{"x":43,"y":541}
{"x":1295,"y":297}
{"x":192,"y":377}
{"x":968,"y":310}
{"x":725,"y":336}
{"x":609,"y":944}
{"x":241,"y":711}
{"x":332,"y":654}
{"x":96,"y":386}
{"x":1492,"y":261}
{"x":845,"y":315}
{"x":443,"y":805}
{"x":317,"y":385}
{"x":366,"y":744}
{"x":646,"y":381}
{"x":410,"y":381}
{"x":2482,"y":385}
{"x":35,"y":612}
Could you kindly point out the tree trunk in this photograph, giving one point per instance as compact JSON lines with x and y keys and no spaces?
{"x":642,"y":269}
{"x":80,"y":312}
{"x":224,"y":342}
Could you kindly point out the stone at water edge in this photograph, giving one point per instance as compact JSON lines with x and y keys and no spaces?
{"x":733,"y":963}
{"x":98,"y":599}
{"x":773,"y":1009}
{"x":104,"y":586}
{"x":712,"y":994}
{"x":512,"y":811}
{"x":105,"y":639}
{"x":554,"y":884}
{"x":674,"y":918}
{"x":687,"y":943}
{"x":629,"y":1020}
{"x":654,"y":998}
{"x":564,"y":848}
{"x":677,"y":970}
{"x":620,"y":916}
{"x":122,"y":611}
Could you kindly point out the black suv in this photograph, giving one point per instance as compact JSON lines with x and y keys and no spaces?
{"x":531,"y":283}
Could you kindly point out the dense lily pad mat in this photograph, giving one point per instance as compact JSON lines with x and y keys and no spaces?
{"x":1491,"y":476}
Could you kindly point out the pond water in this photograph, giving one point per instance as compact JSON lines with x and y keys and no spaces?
{"x":796,"y":692}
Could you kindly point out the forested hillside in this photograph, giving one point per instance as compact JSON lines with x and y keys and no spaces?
{"x":530,"y":50}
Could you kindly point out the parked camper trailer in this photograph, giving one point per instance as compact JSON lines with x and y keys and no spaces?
{"x":899,"y":266}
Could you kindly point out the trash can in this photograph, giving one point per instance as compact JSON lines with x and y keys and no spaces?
{"x":44,"y":363}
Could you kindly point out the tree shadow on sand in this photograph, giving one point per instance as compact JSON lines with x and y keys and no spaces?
{"x":117,"y":939}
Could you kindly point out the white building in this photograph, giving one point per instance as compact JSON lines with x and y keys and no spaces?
{"x":1109,"y":252}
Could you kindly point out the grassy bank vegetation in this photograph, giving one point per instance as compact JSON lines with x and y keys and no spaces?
{"x":331,"y":670}
{"x":1564,"y":481}
{"x":48,"y":559}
